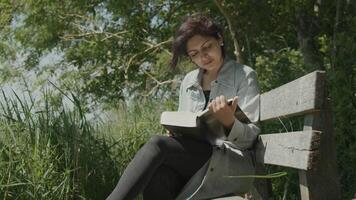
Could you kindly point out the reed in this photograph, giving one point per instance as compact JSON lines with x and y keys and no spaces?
{"x":50,"y":152}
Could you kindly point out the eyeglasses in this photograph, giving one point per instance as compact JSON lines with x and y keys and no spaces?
{"x":205,"y":49}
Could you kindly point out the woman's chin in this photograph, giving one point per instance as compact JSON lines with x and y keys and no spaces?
{"x":210,"y":67}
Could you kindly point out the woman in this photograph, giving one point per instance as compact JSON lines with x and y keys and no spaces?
{"x":169,"y":167}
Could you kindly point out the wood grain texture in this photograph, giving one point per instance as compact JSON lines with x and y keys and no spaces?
{"x":292,"y":149}
{"x":301,"y":96}
{"x":323,"y":181}
{"x":303,"y":185}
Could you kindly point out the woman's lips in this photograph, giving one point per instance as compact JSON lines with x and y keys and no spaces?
{"x":207,"y":63}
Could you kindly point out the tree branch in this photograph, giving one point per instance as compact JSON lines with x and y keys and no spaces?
{"x":94,"y":33}
{"x":336,"y":27}
{"x":152,"y":47}
{"x":233,"y":31}
{"x":158,"y":83}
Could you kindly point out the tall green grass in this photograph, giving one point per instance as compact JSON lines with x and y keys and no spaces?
{"x":133,"y":127}
{"x":50,"y":152}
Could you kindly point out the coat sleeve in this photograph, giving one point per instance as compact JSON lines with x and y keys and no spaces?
{"x":244,"y":135}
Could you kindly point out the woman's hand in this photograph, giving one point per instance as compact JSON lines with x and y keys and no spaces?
{"x":224,"y":112}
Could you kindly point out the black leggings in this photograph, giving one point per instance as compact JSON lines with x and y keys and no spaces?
{"x":161,"y":168}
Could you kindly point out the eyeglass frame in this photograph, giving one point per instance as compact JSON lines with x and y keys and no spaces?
{"x":204,"y":50}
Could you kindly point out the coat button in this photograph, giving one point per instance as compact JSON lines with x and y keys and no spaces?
{"x":211,"y":169}
{"x":235,"y":139}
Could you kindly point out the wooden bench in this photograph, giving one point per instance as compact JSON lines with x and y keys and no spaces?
{"x":311,"y":150}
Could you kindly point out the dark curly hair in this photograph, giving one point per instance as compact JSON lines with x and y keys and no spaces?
{"x":196,"y":24}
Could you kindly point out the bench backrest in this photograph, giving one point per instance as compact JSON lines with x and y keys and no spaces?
{"x":311,"y":150}
{"x":300,"y":97}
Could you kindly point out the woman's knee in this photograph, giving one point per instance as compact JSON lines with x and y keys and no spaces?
{"x":159,"y":141}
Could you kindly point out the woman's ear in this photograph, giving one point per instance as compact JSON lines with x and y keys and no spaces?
{"x":221,"y":39}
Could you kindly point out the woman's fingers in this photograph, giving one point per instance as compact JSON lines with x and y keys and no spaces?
{"x":234,"y":104}
{"x":222,"y":101}
{"x":218,"y":103}
{"x":222,"y":110}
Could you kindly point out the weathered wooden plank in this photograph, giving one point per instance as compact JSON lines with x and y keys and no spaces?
{"x":301,"y":96}
{"x":292,"y":149}
{"x":322,"y":182}
{"x":303,"y":185}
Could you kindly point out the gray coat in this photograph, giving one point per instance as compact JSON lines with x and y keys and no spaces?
{"x":230,"y":156}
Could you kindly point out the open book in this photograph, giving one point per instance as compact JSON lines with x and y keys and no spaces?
{"x":195,"y":124}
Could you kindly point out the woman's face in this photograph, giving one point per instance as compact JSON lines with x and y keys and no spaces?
{"x":205,"y":51}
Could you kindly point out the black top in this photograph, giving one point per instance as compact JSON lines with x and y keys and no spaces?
{"x":206,"y":94}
